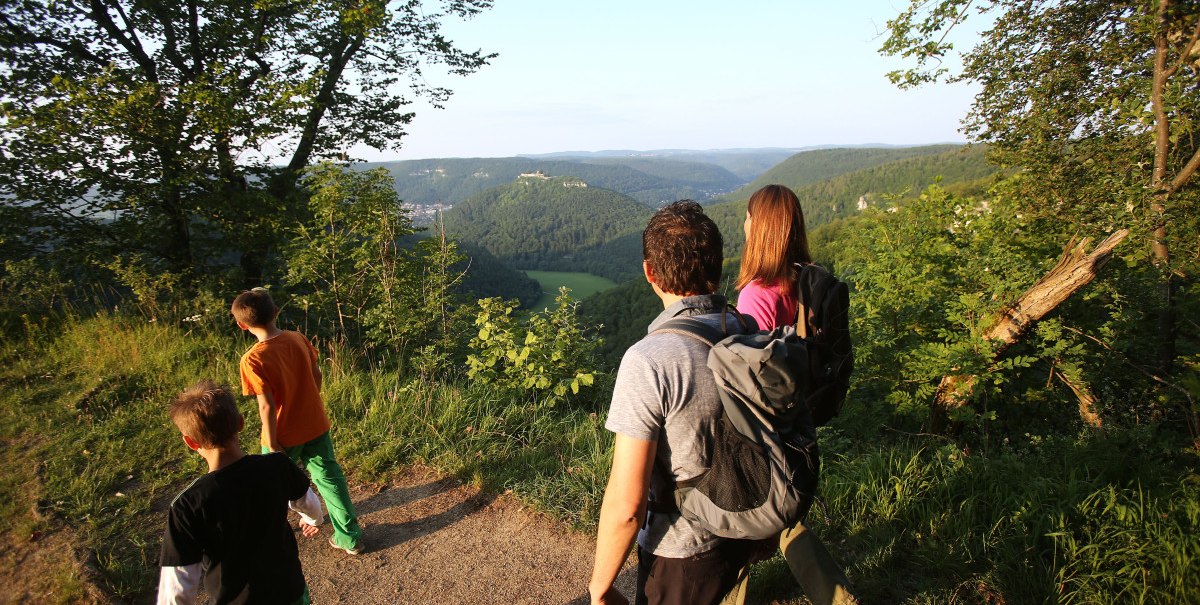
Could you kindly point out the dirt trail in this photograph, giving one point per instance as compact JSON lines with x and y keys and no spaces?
{"x":432,"y":540}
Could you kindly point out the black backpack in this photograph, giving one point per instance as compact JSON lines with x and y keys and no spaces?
{"x":824,"y":303}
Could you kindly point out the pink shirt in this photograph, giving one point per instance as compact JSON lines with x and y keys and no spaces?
{"x":770,"y":305}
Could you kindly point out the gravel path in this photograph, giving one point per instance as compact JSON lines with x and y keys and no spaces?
{"x":432,"y":540}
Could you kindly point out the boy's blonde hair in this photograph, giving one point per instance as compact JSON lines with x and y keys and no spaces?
{"x":207,"y":413}
{"x":254,"y":308}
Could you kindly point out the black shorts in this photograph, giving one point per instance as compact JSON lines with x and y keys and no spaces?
{"x":697,"y":580}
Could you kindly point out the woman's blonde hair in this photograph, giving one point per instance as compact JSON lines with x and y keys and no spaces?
{"x":777,"y":239}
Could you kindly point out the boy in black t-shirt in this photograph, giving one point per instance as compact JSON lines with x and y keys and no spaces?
{"x":231,"y":524}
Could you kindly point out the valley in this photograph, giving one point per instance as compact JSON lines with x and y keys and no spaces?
{"x":560,"y":218}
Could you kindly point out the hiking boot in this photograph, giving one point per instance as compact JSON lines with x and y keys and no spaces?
{"x":354,"y":550}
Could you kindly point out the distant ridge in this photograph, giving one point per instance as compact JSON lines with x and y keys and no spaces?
{"x":611,"y":153}
{"x":454,"y":180}
{"x":728,"y":150}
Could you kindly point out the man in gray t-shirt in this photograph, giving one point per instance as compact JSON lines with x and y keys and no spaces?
{"x":664,"y":409}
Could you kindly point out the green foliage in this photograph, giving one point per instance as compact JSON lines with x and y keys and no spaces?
{"x":927,"y":279}
{"x":347,"y":258}
{"x":28,"y":290}
{"x":138,"y":127}
{"x":1097,"y":102}
{"x":86,"y":402}
{"x":544,"y":357}
{"x":152,"y":287}
{"x":1067,"y":94}
{"x":349,"y":266}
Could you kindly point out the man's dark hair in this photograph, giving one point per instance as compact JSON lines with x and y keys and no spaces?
{"x":683,"y":248}
{"x":254,"y":308}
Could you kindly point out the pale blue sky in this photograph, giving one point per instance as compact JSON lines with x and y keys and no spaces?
{"x":673,"y":74}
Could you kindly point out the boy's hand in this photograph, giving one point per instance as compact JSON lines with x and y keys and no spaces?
{"x":308,"y":531}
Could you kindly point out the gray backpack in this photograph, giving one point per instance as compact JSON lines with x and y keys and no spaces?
{"x":763,"y":468}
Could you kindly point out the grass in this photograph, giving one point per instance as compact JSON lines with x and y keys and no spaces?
{"x":88,"y":405}
{"x":1104,"y":518}
{"x":582,"y":285}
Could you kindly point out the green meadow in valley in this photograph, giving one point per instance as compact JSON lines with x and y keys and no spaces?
{"x":581,"y":285}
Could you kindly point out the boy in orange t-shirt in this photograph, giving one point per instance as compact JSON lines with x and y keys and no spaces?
{"x":281,"y":371}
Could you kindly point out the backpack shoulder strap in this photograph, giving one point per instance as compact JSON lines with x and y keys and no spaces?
{"x":801,"y":302}
{"x":686,"y":326}
{"x":694,"y":328}
{"x":809,"y":278}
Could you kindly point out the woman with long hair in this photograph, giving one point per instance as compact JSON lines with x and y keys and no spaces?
{"x":776,"y":245}
{"x":776,"y":248}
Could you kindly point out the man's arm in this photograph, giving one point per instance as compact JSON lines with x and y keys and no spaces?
{"x":266,"y":412}
{"x":621,"y":514}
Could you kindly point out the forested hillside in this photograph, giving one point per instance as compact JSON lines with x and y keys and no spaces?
{"x":746,"y":164}
{"x":453,"y":180}
{"x":543,"y":223}
{"x":962,"y":170}
{"x":704,"y":180}
{"x":813,"y":166}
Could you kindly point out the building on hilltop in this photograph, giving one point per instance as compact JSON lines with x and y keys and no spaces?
{"x":574,"y":182}
{"x":537,"y":174}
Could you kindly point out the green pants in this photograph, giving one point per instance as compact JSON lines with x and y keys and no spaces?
{"x":317,"y":457}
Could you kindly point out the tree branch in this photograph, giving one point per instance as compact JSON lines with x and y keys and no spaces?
{"x":194,"y":35}
{"x":130,"y":43}
{"x":170,"y":42}
{"x":1185,"y":173}
{"x":1187,"y":50}
{"x":72,"y":47}
{"x":343,"y":50}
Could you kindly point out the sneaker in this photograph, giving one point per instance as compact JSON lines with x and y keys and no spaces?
{"x":356,"y":549}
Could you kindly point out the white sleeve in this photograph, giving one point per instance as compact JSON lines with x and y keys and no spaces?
{"x":179,"y":585}
{"x":309,"y":508}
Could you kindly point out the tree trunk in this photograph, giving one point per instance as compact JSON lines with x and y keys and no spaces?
{"x":1074,"y":270}
{"x":1162,"y":189}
